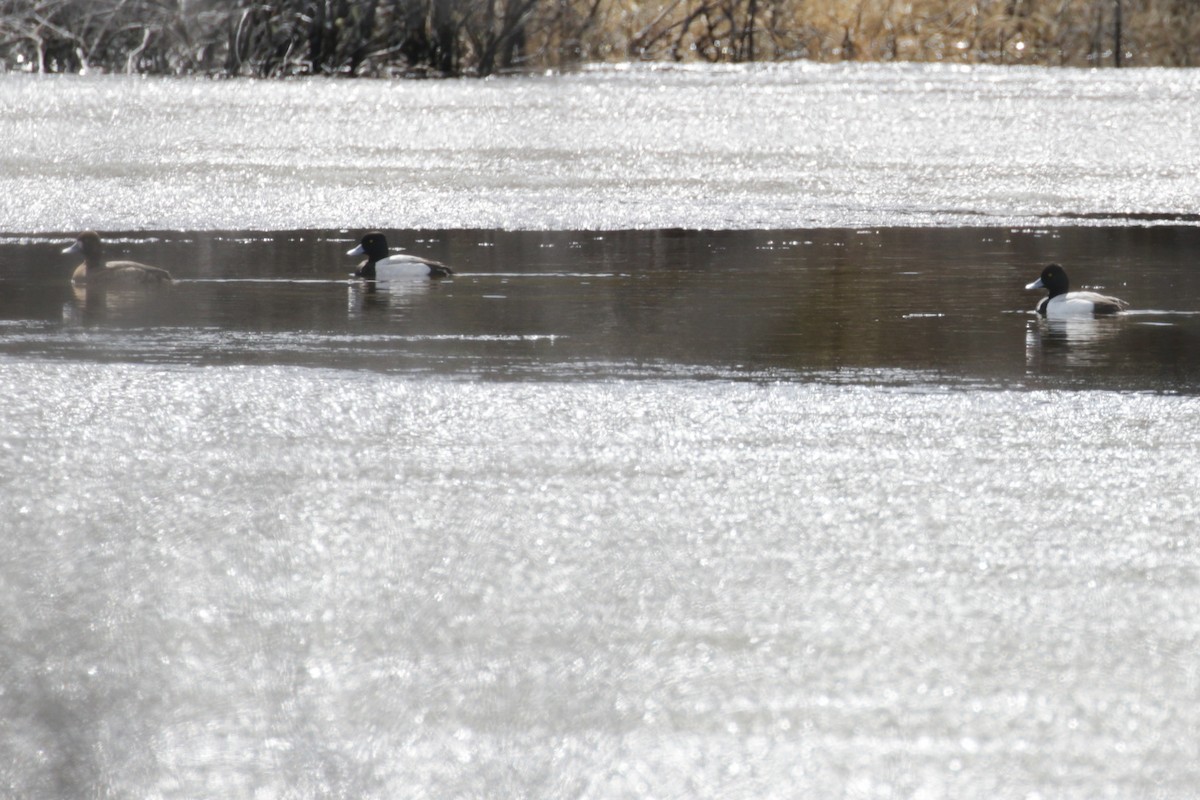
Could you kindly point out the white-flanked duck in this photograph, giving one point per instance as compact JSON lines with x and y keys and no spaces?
{"x":380,"y":265}
{"x":95,"y":271}
{"x":1062,"y":303}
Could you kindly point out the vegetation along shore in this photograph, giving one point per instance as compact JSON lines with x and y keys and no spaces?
{"x":484,"y":37}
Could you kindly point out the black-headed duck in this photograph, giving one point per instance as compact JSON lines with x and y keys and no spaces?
{"x":380,"y":265}
{"x":1061,"y":303}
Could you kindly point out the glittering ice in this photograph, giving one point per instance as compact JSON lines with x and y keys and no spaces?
{"x":270,"y":582}
{"x":781,"y":146}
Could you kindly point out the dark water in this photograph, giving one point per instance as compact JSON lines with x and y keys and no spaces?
{"x":891,"y":305}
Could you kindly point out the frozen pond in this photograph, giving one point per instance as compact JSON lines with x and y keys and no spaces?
{"x":769,"y":147}
{"x":265,"y":581}
{"x":667,"y":514}
{"x":731,"y":462}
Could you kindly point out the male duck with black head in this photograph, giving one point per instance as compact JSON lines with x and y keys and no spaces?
{"x":1061,"y":303}
{"x":381,"y":265}
{"x":95,"y":272}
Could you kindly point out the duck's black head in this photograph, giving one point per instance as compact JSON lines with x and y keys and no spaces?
{"x":374,"y":245}
{"x":1054,"y":280}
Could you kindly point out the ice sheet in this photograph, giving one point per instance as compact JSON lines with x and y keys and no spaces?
{"x":308,"y":583}
{"x":780,"y":146}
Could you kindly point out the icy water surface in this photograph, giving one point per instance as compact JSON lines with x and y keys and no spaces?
{"x":745,"y":147}
{"x":247,"y":581}
{"x":785,"y":494}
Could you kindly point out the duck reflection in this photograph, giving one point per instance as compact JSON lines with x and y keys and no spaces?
{"x":1076,"y":341}
{"x":91,"y":303}
{"x":365,"y":298}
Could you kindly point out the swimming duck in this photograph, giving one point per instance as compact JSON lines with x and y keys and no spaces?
{"x":95,"y":271}
{"x":1061,"y":303}
{"x":380,"y":265}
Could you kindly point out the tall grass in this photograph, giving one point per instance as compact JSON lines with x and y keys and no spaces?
{"x":480,"y":37}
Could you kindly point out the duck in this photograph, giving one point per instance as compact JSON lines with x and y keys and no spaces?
{"x":95,"y":271}
{"x":382,"y":266}
{"x":1061,"y":303}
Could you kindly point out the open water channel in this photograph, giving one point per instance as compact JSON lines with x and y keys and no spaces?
{"x":673,"y":490}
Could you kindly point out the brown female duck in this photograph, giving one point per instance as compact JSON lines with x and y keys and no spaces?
{"x":95,"y":271}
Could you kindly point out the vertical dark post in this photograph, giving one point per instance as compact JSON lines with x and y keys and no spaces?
{"x":366,"y":30}
{"x":316,"y":36}
{"x":1116,"y":33}
{"x":752,"y":14}
{"x":446,"y":36}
